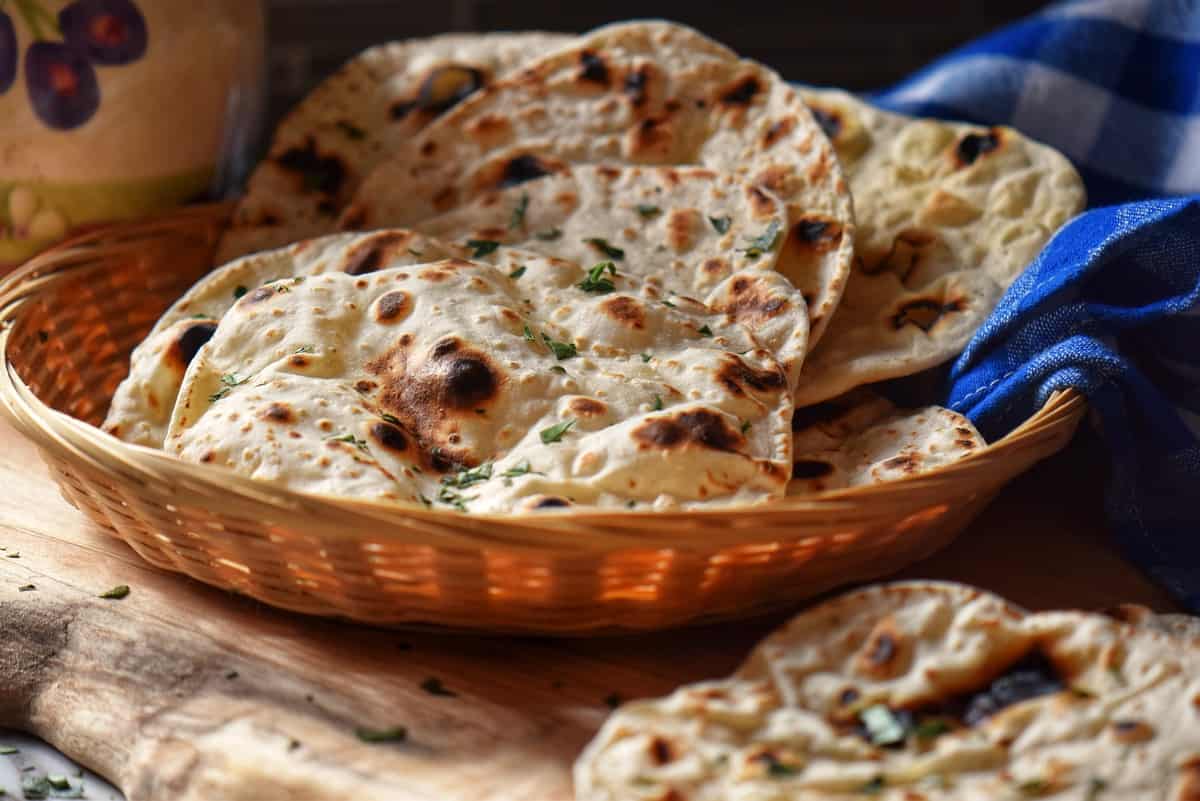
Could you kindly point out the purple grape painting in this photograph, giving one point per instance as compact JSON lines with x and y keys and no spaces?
{"x":110,"y":32}
{"x":60,"y":76}
{"x":62,"y":84}
{"x":8,"y":52}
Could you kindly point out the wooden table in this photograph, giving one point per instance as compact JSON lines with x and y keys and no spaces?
{"x":184,"y":692}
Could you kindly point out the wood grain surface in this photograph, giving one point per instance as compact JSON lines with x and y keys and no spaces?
{"x":183,"y":692}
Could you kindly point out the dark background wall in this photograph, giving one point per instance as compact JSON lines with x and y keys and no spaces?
{"x":857,"y":44}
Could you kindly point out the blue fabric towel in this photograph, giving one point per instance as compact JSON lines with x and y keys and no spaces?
{"x":1112,"y":304}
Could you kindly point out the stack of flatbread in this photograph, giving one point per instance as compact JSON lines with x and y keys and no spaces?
{"x":627,"y":269}
{"x":920,"y":692}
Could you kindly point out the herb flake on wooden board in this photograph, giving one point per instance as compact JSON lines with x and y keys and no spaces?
{"x":116,"y":593}
{"x":434,"y":686}
{"x":394,"y":734}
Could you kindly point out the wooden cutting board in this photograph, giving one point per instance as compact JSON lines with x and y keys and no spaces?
{"x":183,"y":692}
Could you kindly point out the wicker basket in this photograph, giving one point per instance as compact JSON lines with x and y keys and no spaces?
{"x":72,"y":315}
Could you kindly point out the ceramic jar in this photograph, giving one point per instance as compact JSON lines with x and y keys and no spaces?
{"x":113,"y":109}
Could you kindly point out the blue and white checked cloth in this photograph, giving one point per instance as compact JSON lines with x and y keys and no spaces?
{"x":1112,"y":304}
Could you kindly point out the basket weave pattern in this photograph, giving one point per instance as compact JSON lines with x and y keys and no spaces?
{"x":73,"y":315}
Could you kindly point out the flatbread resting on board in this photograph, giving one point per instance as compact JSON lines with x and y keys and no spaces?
{"x":862,"y":438}
{"x":649,"y":93}
{"x":331,"y":140}
{"x":948,"y":216}
{"x":464,"y":384}
{"x":920,"y":690}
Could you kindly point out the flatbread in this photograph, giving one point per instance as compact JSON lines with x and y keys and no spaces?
{"x":1182,"y":626}
{"x":679,"y":227}
{"x":862,"y":438}
{"x":920,"y":690}
{"x":458,"y":383}
{"x":948,"y":216}
{"x":355,"y":118}
{"x":142,"y":404}
{"x":637,"y":93}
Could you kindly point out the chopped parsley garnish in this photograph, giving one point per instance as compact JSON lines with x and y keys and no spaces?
{"x":396,"y":734}
{"x":351,"y":130}
{"x":420,"y":254}
{"x":763,"y":243}
{"x":646,"y":357}
{"x":8,"y":750}
{"x":721,"y":224}
{"x":558,"y":368}
{"x":596,"y":282}
{"x":517,"y":273}
{"x":548,"y":235}
{"x":350,"y":439}
{"x":745,"y":426}
{"x":873,"y":787}
{"x":555,"y":432}
{"x":390,"y":418}
{"x":35,"y":787}
{"x":451,"y":498}
{"x":58,"y":781}
{"x":434,"y":686}
{"x":26,"y":588}
{"x":231,"y":675}
{"x":929,"y":729}
{"x":705,"y":331}
{"x":1096,"y":786}
{"x":529,"y":335}
{"x":1034,"y":787}
{"x":605,"y":248}
{"x":239,"y":291}
{"x":777,"y":769}
{"x":657,"y":403}
{"x":116,"y":593}
{"x":562,"y":350}
{"x":648,"y":211}
{"x":13,"y":555}
{"x":425,"y":500}
{"x":518,"y":213}
{"x":521,"y":468}
{"x":467,"y":478}
{"x":630,"y":504}
{"x":667,"y":303}
{"x":230,"y":380}
{"x":306,"y":349}
{"x":882,"y":725}
{"x":482,"y":247}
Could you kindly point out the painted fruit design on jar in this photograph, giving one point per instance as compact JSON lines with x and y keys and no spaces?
{"x":114,"y":109}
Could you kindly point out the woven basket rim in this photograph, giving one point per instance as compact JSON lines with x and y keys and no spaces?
{"x":57,"y":431}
